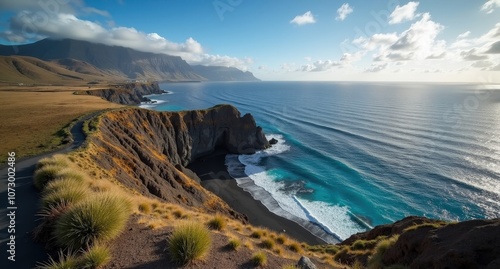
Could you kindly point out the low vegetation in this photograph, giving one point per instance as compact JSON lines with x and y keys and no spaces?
{"x":190,"y":241}
{"x":375,"y":261}
{"x":42,"y":117}
{"x":96,"y":257}
{"x":77,"y":215}
{"x":234,"y":244}
{"x":217,"y":223}
{"x":259,"y":258}
{"x":95,"y":220}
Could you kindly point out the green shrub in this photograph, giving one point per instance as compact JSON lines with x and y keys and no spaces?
{"x":268,"y":244}
{"x":259,"y":258}
{"x":96,"y":257}
{"x":190,"y":241}
{"x":44,"y":175}
{"x":234,"y":243}
{"x":91,"y":221}
{"x":217,"y":223}
{"x":290,"y":266}
{"x":68,"y":261}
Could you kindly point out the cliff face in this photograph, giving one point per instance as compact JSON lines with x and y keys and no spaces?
{"x":426,"y":243}
{"x":147,"y":150}
{"x":127,"y":94}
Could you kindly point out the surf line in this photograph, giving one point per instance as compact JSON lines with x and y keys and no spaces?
{"x":314,"y":220}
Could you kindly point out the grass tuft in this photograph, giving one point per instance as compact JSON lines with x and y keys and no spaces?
{"x":234,"y":244}
{"x":57,"y":160}
{"x":217,"y":223}
{"x":259,"y":258}
{"x":267,"y":244}
{"x":145,"y":208}
{"x":64,"y":261}
{"x":290,"y":266}
{"x":375,"y":261}
{"x":96,"y":257}
{"x":256,"y":234}
{"x":45,"y":174}
{"x":63,"y":192}
{"x":281,"y":239}
{"x":190,"y":241}
{"x":295,"y":247}
{"x":92,"y":221}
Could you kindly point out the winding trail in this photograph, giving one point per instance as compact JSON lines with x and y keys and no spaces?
{"x":27,"y":252}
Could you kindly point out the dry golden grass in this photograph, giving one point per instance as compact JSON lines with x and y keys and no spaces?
{"x":33,"y":116}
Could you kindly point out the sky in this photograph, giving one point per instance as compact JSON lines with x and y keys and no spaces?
{"x":339,"y":40}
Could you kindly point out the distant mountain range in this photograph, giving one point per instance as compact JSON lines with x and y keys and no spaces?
{"x":92,"y":58}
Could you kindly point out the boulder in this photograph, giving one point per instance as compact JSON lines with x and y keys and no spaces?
{"x":305,"y":263}
{"x":273,"y":141}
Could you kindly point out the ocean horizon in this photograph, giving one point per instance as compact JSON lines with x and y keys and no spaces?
{"x":354,"y":155}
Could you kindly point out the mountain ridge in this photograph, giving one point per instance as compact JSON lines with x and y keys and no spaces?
{"x":120,"y":61}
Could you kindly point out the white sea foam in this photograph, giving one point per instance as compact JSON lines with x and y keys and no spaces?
{"x":152,"y":104}
{"x":327,"y":221}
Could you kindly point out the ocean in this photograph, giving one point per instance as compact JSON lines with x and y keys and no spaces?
{"x":355,"y":155}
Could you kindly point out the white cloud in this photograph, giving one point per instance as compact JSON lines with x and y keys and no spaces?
{"x":24,"y":27}
{"x":306,"y":18}
{"x":463,"y":35}
{"x":376,"y":68}
{"x":403,"y":13}
{"x":417,"y":42}
{"x":324,"y":65}
{"x":343,"y":11}
{"x":490,"y":6}
{"x":472,"y":55}
{"x":51,"y":8}
{"x":482,"y":64}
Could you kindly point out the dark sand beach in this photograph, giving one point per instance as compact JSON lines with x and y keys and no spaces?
{"x":214,"y":177}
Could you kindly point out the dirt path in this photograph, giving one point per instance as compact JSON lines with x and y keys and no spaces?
{"x":27,"y":252}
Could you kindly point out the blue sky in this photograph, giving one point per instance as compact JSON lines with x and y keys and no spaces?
{"x":424,"y":40}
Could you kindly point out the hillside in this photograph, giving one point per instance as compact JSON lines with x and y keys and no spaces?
{"x":141,"y":156}
{"x":92,"y":58}
{"x":29,"y":70}
{"x":221,"y":73}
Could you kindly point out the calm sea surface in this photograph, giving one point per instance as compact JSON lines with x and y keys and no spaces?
{"x":355,"y":155}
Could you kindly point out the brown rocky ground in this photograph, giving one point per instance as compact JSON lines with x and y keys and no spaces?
{"x":140,"y":247}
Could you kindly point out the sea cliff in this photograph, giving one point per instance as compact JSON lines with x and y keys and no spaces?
{"x":148,"y":150}
{"x":126,"y":94}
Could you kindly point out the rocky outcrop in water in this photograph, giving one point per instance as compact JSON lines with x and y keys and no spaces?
{"x":148,"y":150}
{"x":127,"y":94}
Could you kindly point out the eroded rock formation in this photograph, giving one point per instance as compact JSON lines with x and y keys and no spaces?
{"x":127,"y":94}
{"x":148,"y":150}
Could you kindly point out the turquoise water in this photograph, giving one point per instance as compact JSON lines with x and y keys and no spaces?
{"x":355,"y":155}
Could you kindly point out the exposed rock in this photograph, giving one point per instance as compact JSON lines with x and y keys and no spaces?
{"x":148,"y":150}
{"x":127,"y":94}
{"x":388,"y":229}
{"x":468,"y":244}
{"x":434,"y":244}
{"x":305,"y":263}
{"x":273,"y":141}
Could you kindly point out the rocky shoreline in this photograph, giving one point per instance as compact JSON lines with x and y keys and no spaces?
{"x":128,"y":93}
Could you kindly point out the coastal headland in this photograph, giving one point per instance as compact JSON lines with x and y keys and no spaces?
{"x":169,"y":166}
